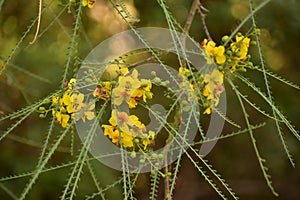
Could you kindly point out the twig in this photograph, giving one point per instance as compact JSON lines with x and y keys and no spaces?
{"x":193,"y":10}
{"x":202,"y":15}
{"x":167,"y":183}
{"x":196,"y":7}
{"x":188,"y":23}
{"x":39,"y":22}
{"x":141,"y":62}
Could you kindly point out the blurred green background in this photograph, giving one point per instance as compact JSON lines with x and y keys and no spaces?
{"x":36,"y":70}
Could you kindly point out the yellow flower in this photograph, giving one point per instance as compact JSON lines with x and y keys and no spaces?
{"x":112,"y":133}
{"x":241,"y":45}
{"x":213,"y":79}
{"x":70,"y":105}
{"x":128,"y":127}
{"x":87,"y":114}
{"x":213,"y":52}
{"x":130,"y":89}
{"x":123,"y":70}
{"x":127,"y":140}
{"x":137,"y":127}
{"x":61,"y":115}
{"x":184,"y":72}
{"x":207,"y":110}
{"x":76,"y":107}
{"x":89,"y":3}
{"x":66,"y":101}
{"x":62,"y":119}
{"x":103,"y":92}
{"x":144,"y":91}
{"x":119,"y":119}
{"x":55,"y":99}
{"x":132,"y":103}
{"x":146,"y":87}
{"x":213,"y":88}
{"x":128,"y":124}
{"x":74,"y":102}
{"x":149,"y":140}
{"x":125,"y":89}
{"x":71,"y":83}
{"x":119,"y":122}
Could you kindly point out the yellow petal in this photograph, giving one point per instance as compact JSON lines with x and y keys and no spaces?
{"x":90,"y":115}
{"x":127,"y":140}
{"x":207,"y":111}
{"x":220,"y":59}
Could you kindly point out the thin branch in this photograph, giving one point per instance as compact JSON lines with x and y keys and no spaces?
{"x":167,"y":182}
{"x":188,"y":23}
{"x":38,"y":23}
{"x":193,"y":10}
{"x":146,"y":60}
{"x":202,"y":15}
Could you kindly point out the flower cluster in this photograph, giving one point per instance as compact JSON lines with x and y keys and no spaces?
{"x":131,"y":90}
{"x":128,"y":130}
{"x":70,"y":106}
{"x":125,"y":88}
{"x":239,"y":51}
{"x":232,"y":57}
{"x":228,"y":59}
{"x":103,"y":90}
{"x":210,"y":86}
{"x":213,"y":87}
{"x":213,"y":53}
{"x":85,"y":3}
{"x":88,"y":3}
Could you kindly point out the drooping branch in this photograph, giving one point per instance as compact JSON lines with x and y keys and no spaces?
{"x":38,"y":23}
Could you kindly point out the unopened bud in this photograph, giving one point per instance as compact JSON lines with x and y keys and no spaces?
{"x":225,"y":38}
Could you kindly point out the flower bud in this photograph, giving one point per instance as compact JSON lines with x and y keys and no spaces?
{"x":228,"y":52}
{"x":148,"y":94}
{"x":225,"y":38}
{"x":154,"y":155}
{"x":88,"y":80}
{"x":257,"y":31}
{"x":133,"y":154}
{"x":187,"y":108}
{"x":153,"y":73}
{"x":42,"y":116}
{"x":253,"y":43}
{"x":241,"y":69}
{"x":238,"y":54}
{"x":42,"y":109}
{"x":47,"y":101}
{"x":157,"y":80}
